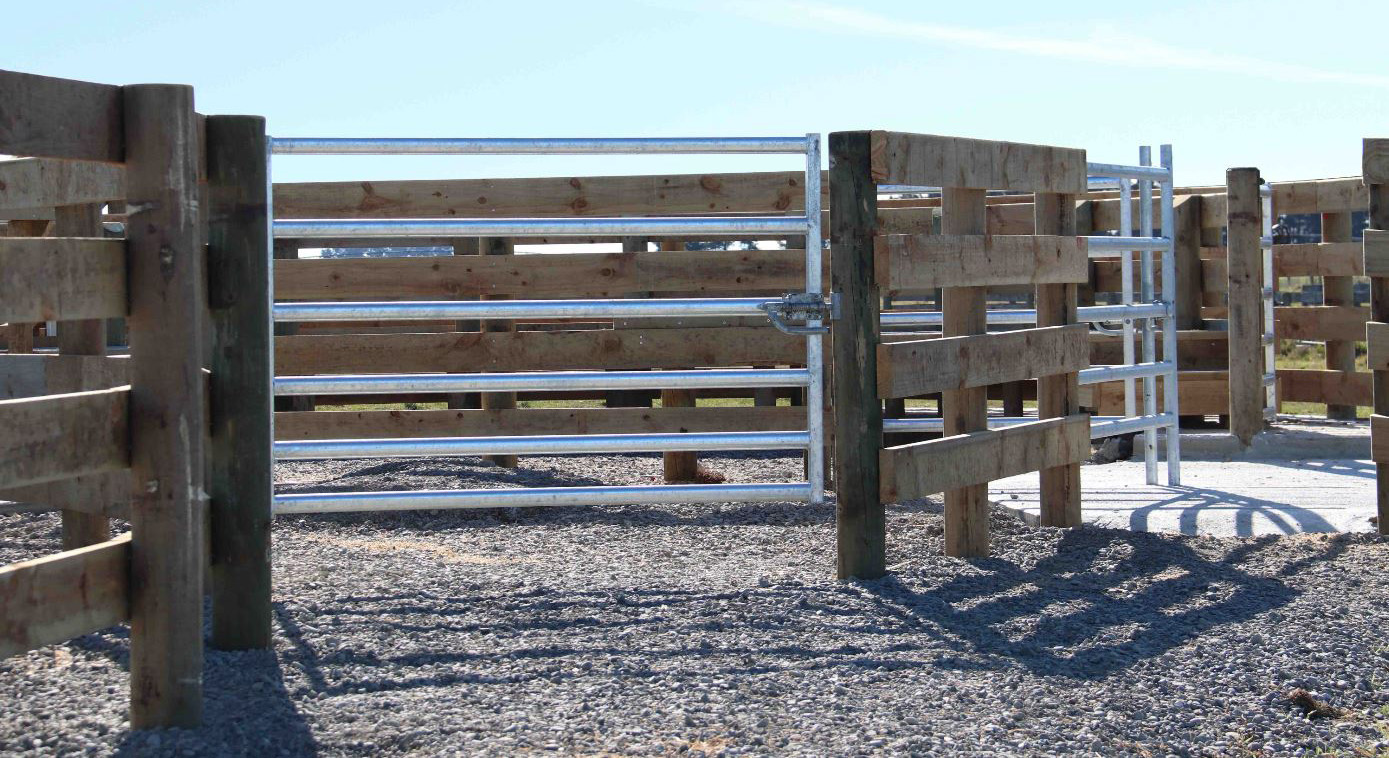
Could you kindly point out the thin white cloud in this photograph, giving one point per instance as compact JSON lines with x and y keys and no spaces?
{"x":1108,"y":45}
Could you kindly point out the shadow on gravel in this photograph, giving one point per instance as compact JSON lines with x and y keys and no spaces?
{"x":1106,"y":599}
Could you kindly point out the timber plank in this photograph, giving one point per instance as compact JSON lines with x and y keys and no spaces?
{"x":541,"y":275}
{"x":906,"y":369}
{"x":1321,"y":322}
{"x":926,"y":468}
{"x":1376,"y":246}
{"x":468,"y":352}
{"x":305,"y":425}
{"x":34,"y":183}
{"x":58,"y":597}
{"x":1379,"y":439}
{"x":917,"y":262}
{"x":34,"y":375}
{"x":1377,"y":341}
{"x":61,"y":279}
{"x":57,"y":436}
{"x":548,"y":197}
{"x":45,"y":117}
{"x":1348,"y":388}
{"x":1375,"y":164}
{"x":1319,"y":259}
{"x":936,"y":161}
{"x":1199,"y":393}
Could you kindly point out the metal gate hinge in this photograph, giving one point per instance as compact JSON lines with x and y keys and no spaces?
{"x":802,"y":307}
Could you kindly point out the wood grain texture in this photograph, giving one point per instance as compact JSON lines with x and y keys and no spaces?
{"x":44,"y":117}
{"x":23,"y":376}
{"x":977,"y":458}
{"x":62,"y":279}
{"x":936,"y":161}
{"x":168,"y":408}
{"x":541,"y":275}
{"x":1246,"y":327}
{"x":1375,"y":163}
{"x":1320,"y":322}
{"x":918,"y":262}
{"x":57,"y":436}
{"x":1318,"y":259}
{"x":1376,"y":253}
{"x":906,"y":369}
{"x":58,"y":597}
{"x":540,"y":421}
{"x":861,"y":528}
{"x":48,"y":183}
{"x":1377,"y":342}
{"x":1339,"y":291}
{"x":466,"y":352}
{"x":1199,"y":393}
{"x":1379,"y":440}
{"x":1058,"y":396}
{"x":1347,"y":388}
{"x":549,"y":197}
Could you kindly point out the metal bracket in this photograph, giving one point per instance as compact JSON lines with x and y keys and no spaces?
{"x":802,"y":307}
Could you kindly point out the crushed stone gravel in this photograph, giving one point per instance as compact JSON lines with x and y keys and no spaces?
{"x":718,"y":630}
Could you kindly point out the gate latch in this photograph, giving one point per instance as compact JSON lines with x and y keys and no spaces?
{"x":792,"y":312}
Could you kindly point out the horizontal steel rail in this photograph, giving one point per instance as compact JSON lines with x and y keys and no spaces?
{"x":1100,"y":426}
{"x":537,"y":227}
{"x":557,"y":444}
{"x":427,"y":310}
{"x":535,"y":146}
{"x":1117,"y":171}
{"x":1100,"y":374}
{"x":1108,"y":247}
{"x":539,"y":381}
{"x":349,"y":502}
{"x":1084,"y":314}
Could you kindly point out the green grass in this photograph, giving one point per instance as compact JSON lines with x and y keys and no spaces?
{"x":1293,"y":355}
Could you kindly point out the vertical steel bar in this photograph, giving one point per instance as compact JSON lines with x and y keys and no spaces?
{"x":1270,"y":342}
{"x":1169,"y":324}
{"x":270,"y":271}
{"x":1126,"y":289}
{"x":814,"y":343}
{"x":1145,"y":224}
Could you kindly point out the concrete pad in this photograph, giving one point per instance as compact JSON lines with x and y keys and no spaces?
{"x":1218,"y":498}
{"x":1291,"y":438}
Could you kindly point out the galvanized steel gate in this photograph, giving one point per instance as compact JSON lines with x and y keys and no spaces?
{"x":801,"y":313}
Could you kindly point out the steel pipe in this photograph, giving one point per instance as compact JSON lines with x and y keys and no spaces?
{"x":1108,"y":247}
{"x":1126,"y":291}
{"x":1101,"y":426}
{"x":349,"y":502}
{"x":559,"y":444}
{"x":534,"y":146}
{"x":814,"y":343}
{"x":1146,"y":290}
{"x":307,"y":229}
{"x":1099,"y":374}
{"x":1117,"y":171}
{"x":378,"y":384}
{"x":427,"y":310}
{"x":1169,"y":326}
{"x":1085,"y":314}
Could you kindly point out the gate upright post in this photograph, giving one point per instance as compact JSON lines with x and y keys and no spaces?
{"x":1246,"y":330}
{"x":858,"y":414}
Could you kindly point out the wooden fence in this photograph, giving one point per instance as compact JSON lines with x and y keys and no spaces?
{"x":101,"y":436}
{"x":1376,"y":265}
{"x":962,"y":260}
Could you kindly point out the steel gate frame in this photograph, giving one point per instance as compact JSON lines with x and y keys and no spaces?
{"x":810,"y":307}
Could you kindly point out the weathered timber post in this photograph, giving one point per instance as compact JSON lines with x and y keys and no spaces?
{"x":81,"y":528}
{"x":1058,"y":396}
{"x":498,"y":401}
{"x":678,"y":466}
{"x":1375,"y":172}
{"x":1186,"y":238}
{"x":167,"y":407}
{"x":1246,"y":319}
{"x":858,"y":414}
{"x":964,"y":312}
{"x":1339,"y":291}
{"x":240,"y":467}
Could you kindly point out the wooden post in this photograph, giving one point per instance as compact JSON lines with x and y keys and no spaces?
{"x":466,"y":400}
{"x":1340,"y":291}
{"x":240,"y":476}
{"x":19,"y":338}
{"x":289,"y":250}
{"x":498,"y":401}
{"x":1058,"y":396}
{"x":1246,"y":307}
{"x":1377,"y":183}
{"x":631,"y":398}
{"x":167,"y":407}
{"x":858,"y":415}
{"x":681,"y":466}
{"x":963,"y":311}
{"x":1187,"y":240}
{"x":81,"y":529}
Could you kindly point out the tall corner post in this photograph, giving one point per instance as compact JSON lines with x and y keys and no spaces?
{"x":1058,"y":396}
{"x":240,"y":476}
{"x":1246,"y":328}
{"x":168,"y":291}
{"x":1376,"y":176}
{"x":858,"y":415}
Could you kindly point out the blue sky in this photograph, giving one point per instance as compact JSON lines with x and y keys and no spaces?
{"x":1288,"y":87}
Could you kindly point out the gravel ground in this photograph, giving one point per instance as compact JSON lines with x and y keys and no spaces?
{"x":718,"y":630}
